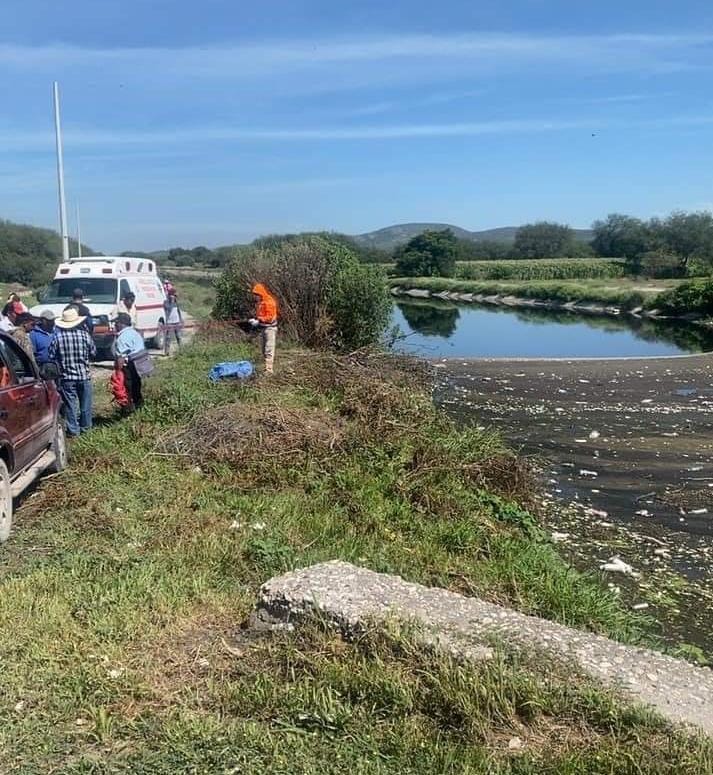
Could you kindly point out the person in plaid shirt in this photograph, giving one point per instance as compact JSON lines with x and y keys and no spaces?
{"x":72,"y":349}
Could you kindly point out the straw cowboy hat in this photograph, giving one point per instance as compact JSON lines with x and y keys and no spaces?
{"x":70,"y":318}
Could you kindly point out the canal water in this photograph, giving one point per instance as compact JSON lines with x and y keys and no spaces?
{"x":625,"y":446}
{"x":435,"y":329}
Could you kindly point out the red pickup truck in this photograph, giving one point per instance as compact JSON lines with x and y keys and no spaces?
{"x":32,"y":438}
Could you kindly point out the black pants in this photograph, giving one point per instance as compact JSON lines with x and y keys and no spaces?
{"x":133,"y":385}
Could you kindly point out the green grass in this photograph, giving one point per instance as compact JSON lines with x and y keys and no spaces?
{"x":626,"y":293}
{"x":196,"y":293}
{"x":126,"y":579}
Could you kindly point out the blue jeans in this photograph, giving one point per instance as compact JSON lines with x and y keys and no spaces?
{"x":78,"y":405}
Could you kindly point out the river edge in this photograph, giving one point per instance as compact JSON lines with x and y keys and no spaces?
{"x":625,"y":451}
{"x":502,"y":300}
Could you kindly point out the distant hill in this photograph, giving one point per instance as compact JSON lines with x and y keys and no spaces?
{"x":392,"y":236}
{"x":30,"y":254}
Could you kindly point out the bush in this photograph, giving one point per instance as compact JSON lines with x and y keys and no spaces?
{"x":327,"y":297}
{"x":695,"y":298}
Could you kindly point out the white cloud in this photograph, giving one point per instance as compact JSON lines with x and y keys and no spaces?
{"x":17,"y":141}
{"x":611,"y":52}
{"x":85,"y":138}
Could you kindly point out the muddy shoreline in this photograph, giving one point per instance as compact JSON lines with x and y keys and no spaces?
{"x":627,"y":442}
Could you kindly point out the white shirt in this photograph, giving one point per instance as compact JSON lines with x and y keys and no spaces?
{"x":132,"y":313}
{"x":5,"y":324}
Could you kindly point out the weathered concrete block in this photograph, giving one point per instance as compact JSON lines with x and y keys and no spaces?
{"x":350,"y":597}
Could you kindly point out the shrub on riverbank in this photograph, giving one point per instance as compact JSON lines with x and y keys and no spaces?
{"x":694,"y":298}
{"x":542,"y":269}
{"x":327,"y":297}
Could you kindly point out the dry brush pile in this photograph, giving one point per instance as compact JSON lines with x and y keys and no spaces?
{"x":323,"y":407}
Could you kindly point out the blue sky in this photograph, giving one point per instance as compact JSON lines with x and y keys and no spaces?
{"x":212,"y":122}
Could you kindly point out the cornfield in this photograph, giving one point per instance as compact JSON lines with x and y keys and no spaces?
{"x":542,"y":269}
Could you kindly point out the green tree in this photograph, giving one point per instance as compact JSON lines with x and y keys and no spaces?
{"x":543,"y":240}
{"x":487,"y":250}
{"x":430,"y":254}
{"x":327,"y":297}
{"x":686,"y":236}
{"x":620,"y":236}
{"x":29,"y":255}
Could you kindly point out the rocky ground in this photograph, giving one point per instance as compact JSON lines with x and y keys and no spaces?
{"x":630,"y":444}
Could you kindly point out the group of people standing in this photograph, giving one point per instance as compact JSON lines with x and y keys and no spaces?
{"x":67,"y":341}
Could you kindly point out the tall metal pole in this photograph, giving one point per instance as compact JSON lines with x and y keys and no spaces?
{"x":60,"y":176}
{"x":79,"y":235}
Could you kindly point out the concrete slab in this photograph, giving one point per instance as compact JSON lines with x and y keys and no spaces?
{"x":350,"y":597}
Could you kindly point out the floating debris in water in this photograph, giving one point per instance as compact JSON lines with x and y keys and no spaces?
{"x":617,"y":565}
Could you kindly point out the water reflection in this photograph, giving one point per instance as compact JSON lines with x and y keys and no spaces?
{"x":431,"y":319}
{"x":471,"y":330}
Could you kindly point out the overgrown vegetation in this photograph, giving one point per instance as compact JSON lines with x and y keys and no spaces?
{"x":694,"y":297}
{"x":326,"y":296}
{"x":126,"y":579}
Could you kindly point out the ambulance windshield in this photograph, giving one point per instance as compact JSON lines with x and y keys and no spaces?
{"x":96,"y":290}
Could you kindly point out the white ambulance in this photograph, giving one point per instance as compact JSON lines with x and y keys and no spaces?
{"x":104,"y":281}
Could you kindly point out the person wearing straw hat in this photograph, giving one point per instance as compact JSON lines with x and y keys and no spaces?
{"x":72,"y":350}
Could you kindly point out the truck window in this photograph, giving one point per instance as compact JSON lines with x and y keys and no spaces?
{"x":97,"y":290}
{"x":7,"y":378}
{"x":124,"y":289}
{"x":17,"y":360}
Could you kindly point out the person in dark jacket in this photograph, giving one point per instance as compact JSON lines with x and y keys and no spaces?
{"x":41,"y":336}
{"x":82,"y":309}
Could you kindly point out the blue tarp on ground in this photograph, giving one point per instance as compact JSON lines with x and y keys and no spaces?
{"x":231,"y":370}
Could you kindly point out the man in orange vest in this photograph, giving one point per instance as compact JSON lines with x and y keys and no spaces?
{"x":266,"y":321}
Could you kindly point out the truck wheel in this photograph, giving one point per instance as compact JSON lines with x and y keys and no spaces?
{"x":59,"y":447}
{"x":5,"y":503}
